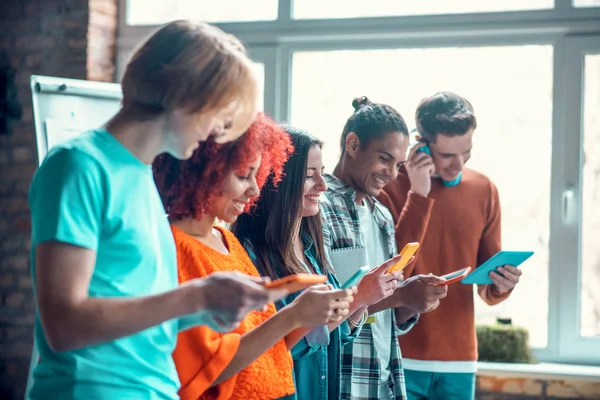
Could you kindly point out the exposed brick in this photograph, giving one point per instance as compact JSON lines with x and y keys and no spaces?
{"x":13,"y":204}
{"x":20,"y":172}
{"x":103,"y":20}
{"x":14,"y":299}
{"x":108,"y":8}
{"x":77,"y":43}
{"x":17,"y":332}
{"x":10,"y":245}
{"x":22,"y":154}
{"x":22,"y":187}
{"x":3,"y":226}
{"x":25,"y":282}
{"x":573,"y":389}
{"x":16,"y":350}
{"x":6,"y":187}
{"x":31,"y":42}
{"x":18,"y":262}
{"x":33,"y":60}
{"x":68,"y":38}
{"x":7,"y":280}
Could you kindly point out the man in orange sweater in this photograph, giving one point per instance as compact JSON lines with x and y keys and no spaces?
{"x":454,"y":212}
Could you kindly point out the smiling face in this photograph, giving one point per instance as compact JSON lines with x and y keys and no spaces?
{"x":314,"y":184}
{"x":451,"y":153}
{"x":376,"y":165}
{"x":238,"y":189}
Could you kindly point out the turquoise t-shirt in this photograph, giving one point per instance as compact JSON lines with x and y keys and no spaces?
{"x":93,"y":193}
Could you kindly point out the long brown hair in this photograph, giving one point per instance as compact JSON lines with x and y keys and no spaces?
{"x":270,"y":228}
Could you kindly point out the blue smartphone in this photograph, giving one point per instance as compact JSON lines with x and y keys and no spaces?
{"x":425,"y":149}
{"x":356,"y":277}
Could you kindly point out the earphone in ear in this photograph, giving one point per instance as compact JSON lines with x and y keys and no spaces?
{"x":425,"y":149}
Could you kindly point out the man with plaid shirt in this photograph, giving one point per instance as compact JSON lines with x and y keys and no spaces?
{"x":358,"y":230}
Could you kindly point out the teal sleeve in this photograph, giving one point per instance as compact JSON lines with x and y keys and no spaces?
{"x":316,"y":339}
{"x":67,"y":199}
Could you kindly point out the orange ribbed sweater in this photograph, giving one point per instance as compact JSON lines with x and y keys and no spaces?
{"x":202,"y":354}
{"x":457,"y":227}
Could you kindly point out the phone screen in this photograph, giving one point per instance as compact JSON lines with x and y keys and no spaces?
{"x":454,"y":274}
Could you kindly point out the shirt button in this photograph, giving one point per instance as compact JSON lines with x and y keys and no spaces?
{"x":322,"y":376}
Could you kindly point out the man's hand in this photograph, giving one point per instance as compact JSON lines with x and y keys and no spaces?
{"x":422,"y":295}
{"x":506,"y":278}
{"x":226,"y":298}
{"x":378,"y":284}
{"x":419,"y":167}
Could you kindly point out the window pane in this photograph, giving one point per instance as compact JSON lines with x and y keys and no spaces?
{"x":586,"y":3}
{"x":511,"y":89}
{"x":259,"y":71}
{"x":258,"y":67}
{"x":590,"y":268}
{"x":155,"y":12}
{"x":307,"y":9}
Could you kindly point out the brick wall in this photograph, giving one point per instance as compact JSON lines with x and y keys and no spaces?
{"x":508,"y":388}
{"x":67,"y":38}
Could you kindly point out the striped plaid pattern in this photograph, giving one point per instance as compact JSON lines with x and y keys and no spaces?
{"x":361,"y":372}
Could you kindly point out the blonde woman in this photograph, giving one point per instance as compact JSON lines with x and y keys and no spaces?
{"x":103,"y":255}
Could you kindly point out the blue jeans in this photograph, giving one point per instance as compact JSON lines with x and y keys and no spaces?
{"x":422,"y":385}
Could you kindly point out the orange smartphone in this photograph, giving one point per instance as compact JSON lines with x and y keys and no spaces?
{"x":407,"y":252}
{"x":454,"y":276}
{"x":294,"y":283}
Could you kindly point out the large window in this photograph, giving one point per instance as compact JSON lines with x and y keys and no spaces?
{"x":380,"y":8}
{"x":155,"y":12}
{"x":531,"y":69}
{"x":590,"y":268}
{"x":511,"y":89}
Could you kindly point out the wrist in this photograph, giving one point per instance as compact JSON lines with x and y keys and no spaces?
{"x":290,"y":317}
{"x":191,"y":297}
{"x":403,"y":314}
{"x":420,"y":191}
{"x":399,"y":298}
{"x":355,"y":317}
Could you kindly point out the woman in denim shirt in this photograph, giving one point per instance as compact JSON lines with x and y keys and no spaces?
{"x":283,"y":236}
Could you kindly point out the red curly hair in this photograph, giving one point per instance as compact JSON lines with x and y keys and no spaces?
{"x":188,"y":187}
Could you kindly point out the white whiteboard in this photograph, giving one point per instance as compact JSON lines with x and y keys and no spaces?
{"x":63,"y":108}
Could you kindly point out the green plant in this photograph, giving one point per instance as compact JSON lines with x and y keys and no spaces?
{"x":503,"y":343}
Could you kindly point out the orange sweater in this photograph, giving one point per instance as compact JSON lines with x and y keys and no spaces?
{"x":461,"y":230}
{"x":202,"y":354}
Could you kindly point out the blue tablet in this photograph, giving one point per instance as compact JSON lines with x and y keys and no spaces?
{"x":480,"y":275}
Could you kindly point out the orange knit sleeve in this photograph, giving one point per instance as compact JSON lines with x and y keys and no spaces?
{"x":201,"y":356}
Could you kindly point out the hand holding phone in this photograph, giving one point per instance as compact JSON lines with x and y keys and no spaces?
{"x":407,"y":252}
{"x":419,"y":167}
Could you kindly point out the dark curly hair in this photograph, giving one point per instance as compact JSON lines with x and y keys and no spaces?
{"x":446,"y":113}
{"x":188,"y":187}
{"x":372,"y":120}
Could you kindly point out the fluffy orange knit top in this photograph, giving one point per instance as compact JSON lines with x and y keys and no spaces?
{"x":202,"y":354}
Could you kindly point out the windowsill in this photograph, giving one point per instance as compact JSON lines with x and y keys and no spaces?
{"x":545,"y":371}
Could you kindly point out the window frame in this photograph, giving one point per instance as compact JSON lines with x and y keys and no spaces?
{"x":565,"y":27}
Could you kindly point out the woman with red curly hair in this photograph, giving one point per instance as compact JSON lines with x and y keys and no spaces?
{"x":221,"y":182}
